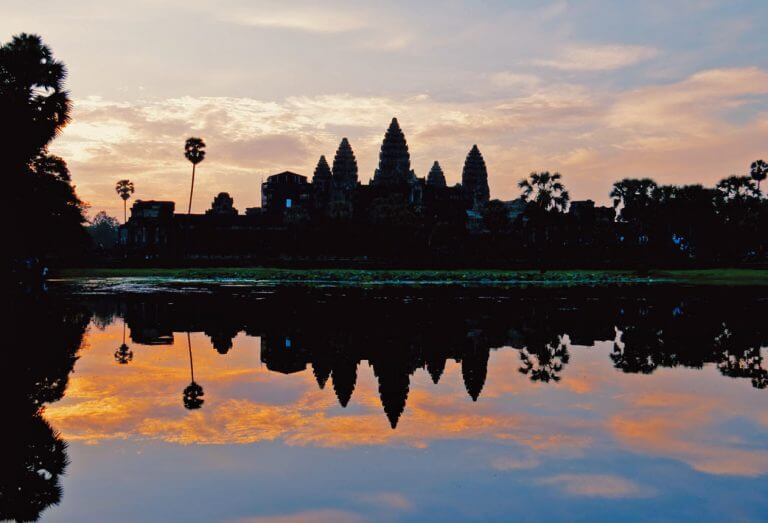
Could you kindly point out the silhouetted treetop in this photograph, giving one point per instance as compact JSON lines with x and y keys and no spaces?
{"x":545,"y":190}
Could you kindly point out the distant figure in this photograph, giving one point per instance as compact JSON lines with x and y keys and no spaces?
{"x":194,"y":151}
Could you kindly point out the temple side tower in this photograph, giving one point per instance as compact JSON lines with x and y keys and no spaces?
{"x":344,"y":178}
{"x":436,"y":178}
{"x":321,"y":183}
{"x":344,"y":167}
{"x":474,"y":179}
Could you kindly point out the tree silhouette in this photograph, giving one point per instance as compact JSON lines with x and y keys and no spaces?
{"x":738,"y":188}
{"x":193,"y":393}
{"x":758,"y":171}
{"x":634,"y":195}
{"x":194,"y":151}
{"x":545,"y":190}
{"x":34,"y":104}
{"x":35,"y":107}
{"x":103,"y":230}
{"x":124,"y":189}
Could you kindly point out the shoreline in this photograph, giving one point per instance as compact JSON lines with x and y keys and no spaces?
{"x":480,"y":277}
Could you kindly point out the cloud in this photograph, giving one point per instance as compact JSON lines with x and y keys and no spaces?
{"x":597,"y":486}
{"x":515,"y":463}
{"x":314,"y":19}
{"x":308,"y":516}
{"x":597,"y":57}
{"x":509,"y":79}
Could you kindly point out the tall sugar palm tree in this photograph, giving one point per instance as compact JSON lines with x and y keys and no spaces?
{"x":194,"y":151}
{"x":758,"y":170}
{"x":33,"y":101}
{"x":124,"y":189}
{"x":545,"y":190}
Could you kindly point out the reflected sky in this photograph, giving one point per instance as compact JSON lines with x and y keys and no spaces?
{"x":495,"y":441}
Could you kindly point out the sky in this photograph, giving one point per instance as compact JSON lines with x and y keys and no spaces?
{"x":595,"y":90}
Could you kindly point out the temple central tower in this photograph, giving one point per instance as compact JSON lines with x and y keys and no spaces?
{"x":474,"y":179}
{"x":394,"y":159}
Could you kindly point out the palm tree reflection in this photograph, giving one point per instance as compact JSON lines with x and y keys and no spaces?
{"x":123,"y":354}
{"x":193,"y":393}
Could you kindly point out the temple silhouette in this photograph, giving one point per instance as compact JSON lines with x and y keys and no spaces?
{"x":332,"y":334}
{"x":333,"y":203}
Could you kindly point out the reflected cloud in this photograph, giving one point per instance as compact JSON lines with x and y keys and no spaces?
{"x":597,"y":486}
{"x":308,"y":516}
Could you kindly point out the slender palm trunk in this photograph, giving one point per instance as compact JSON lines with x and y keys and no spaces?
{"x":191,"y":189}
{"x":123,"y":331}
{"x":125,"y":210}
{"x":191,"y":368}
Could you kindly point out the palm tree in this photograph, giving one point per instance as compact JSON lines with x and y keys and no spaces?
{"x":758,"y":170}
{"x":33,"y":101}
{"x":124,"y":189}
{"x":737,"y":188}
{"x":545,"y":190}
{"x":193,"y":393}
{"x":194,"y":151}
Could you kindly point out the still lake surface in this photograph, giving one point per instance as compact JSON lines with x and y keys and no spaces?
{"x":237,"y":403}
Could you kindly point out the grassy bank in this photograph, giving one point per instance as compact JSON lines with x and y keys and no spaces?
{"x":363,"y":277}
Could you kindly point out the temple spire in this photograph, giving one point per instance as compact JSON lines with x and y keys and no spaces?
{"x":322,"y":171}
{"x":436,"y":178}
{"x":394,"y":158}
{"x":474,"y":179}
{"x":344,"y":166}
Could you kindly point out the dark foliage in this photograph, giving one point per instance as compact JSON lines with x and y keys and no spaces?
{"x":35,"y":108}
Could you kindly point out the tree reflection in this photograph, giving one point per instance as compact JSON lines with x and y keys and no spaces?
{"x":123,"y":354}
{"x":33,"y":455}
{"x":193,"y":393}
{"x":740,"y":363}
{"x":544,"y":361}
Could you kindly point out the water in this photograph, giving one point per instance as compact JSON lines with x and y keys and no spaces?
{"x":282,"y":404}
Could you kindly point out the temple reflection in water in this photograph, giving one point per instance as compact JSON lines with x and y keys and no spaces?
{"x":332,"y":332}
{"x":398,"y":332}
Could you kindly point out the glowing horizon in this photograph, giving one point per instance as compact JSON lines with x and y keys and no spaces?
{"x":680,"y":95}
